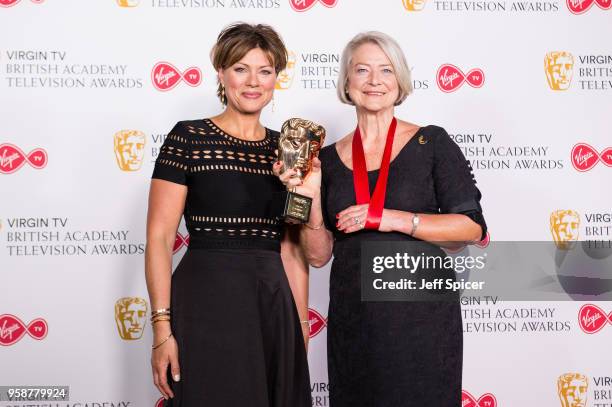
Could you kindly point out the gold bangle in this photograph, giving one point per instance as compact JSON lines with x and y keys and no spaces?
{"x":162,"y":342}
{"x":305,"y":322}
{"x":160,"y":319}
{"x":319,"y":226}
{"x":158,"y":311}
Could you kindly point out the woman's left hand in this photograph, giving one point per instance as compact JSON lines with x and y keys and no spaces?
{"x":353,"y":219}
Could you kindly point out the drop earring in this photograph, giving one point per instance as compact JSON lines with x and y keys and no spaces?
{"x":223,"y":99}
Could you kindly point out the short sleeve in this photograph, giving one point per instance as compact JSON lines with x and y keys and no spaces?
{"x":172,"y":163}
{"x":454,"y":181}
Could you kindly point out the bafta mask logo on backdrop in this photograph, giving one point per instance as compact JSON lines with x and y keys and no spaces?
{"x":13,"y":158}
{"x":559,"y":69}
{"x":572,"y":389}
{"x":179,"y":242}
{"x":12,"y":329}
{"x":303,"y":5}
{"x":593,"y":319}
{"x":582,"y":6}
{"x":10,"y":3}
{"x":584,"y":157}
{"x":131,"y":317}
{"x":316,"y":322}
{"x":486,"y":400}
{"x":414,"y":5}
{"x":128,"y":3}
{"x":450,"y":78}
{"x":564,"y":227}
{"x":129,"y":149}
{"x":166,"y":76}
{"x":285,"y":77}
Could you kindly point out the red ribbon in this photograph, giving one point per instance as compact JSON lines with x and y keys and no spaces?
{"x":361,"y":182}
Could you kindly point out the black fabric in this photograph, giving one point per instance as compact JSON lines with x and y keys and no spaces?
{"x":230,"y":185}
{"x":233,"y":315}
{"x":238,"y":333}
{"x":388,"y":354}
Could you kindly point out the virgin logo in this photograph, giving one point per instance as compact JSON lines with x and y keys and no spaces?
{"x":10,"y":3}
{"x":585,"y":157}
{"x":179,"y":242}
{"x":450,"y":78}
{"x":12,"y":329}
{"x":486,"y":400}
{"x":582,"y":6}
{"x":303,"y":5}
{"x":316,"y":322}
{"x":166,"y":76}
{"x":13,"y":158}
{"x":592,"y":319}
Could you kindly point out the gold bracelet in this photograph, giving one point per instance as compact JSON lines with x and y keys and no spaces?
{"x":305,"y":322}
{"x":319,"y":226}
{"x":162,"y":342}
{"x":159,"y":311}
{"x":160,"y":319}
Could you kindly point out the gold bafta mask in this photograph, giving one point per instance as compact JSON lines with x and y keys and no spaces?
{"x":131,"y":317}
{"x":128,"y":3}
{"x":572,"y":389}
{"x":299,"y":142}
{"x":559,"y":68}
{"x":129,"y":149}
{"x":414,"y":5}
{"x":564,"y":226}
{"x":285,"y":77}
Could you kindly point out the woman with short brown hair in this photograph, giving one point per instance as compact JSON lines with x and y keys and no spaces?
{"x":226,"y":327}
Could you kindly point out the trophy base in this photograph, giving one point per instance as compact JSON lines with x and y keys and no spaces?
{"x":291,"y":207}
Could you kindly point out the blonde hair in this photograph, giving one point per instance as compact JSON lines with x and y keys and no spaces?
{"x":393,"y":51}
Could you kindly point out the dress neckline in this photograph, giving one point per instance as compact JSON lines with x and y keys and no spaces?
{"x":237,"y":140}
{"x":414,"y":136}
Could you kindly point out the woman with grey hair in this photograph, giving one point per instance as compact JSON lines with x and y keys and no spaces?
{"x":388,"y":180}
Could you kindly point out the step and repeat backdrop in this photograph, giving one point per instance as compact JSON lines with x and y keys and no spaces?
{"x":89,"y":90}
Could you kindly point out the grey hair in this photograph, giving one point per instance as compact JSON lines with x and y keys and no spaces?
{"x":393,"y":51}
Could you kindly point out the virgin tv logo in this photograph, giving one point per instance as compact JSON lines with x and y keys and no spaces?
{"x":582,"y":6}
{"x":450,"y":78}
{"x":303,"y":5}
{"x":166,"y":76}
{"x":12,"y":158}
{"x":316,"y":322}
{"x":12,"y":329}
{"x":11,"y":3}
{"x":593,"y":319}
{"x":486,"y":400}
{"x":584,"y":157}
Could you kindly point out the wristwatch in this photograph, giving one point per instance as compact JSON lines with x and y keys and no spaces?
{"x":415,"y":223}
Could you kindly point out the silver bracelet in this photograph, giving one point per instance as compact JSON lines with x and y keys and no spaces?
{"x":415,"y":223}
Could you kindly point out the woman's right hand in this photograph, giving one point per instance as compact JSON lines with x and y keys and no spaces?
{"x":310,"y":187}
{"x":166,"y":354}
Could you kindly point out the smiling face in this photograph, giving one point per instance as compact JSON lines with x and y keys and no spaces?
{"x":249,"y":83}
{"x":372,"y":84}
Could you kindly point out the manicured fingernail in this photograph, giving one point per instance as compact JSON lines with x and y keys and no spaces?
{"x":177,"y":377}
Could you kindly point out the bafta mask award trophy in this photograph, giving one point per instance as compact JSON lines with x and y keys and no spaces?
{"x":299,"y":142}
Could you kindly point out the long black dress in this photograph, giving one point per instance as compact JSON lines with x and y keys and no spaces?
{"x":389,"y":354}
{"x":233,"y":315}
